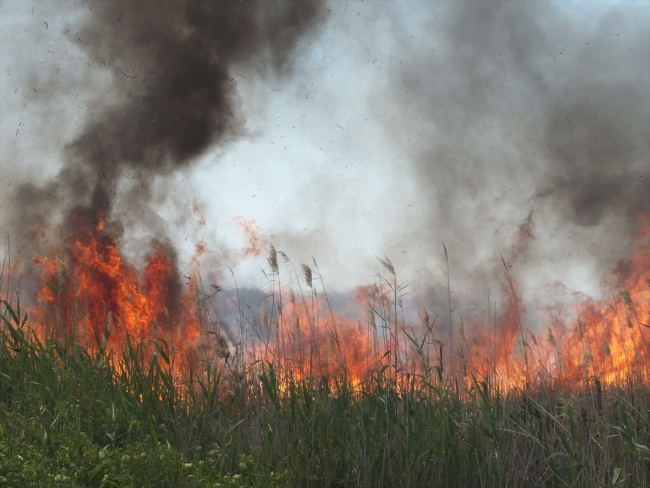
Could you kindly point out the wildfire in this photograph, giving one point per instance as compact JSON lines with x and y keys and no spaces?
{"x":606,"y":339}
{"x":91,"y":293}
{"x":311,"y":340}
{"x":612,"y":339}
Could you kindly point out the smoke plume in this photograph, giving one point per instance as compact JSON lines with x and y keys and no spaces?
{"x":524,"y":112}
{"x":171,"y":66}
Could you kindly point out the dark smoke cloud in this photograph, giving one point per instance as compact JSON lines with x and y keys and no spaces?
{"x":525,"y":107}
{"x":597,"y":146}
{"x":172,"y":65}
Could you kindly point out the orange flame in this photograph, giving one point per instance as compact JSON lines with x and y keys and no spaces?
{"x":310,"y":340}
{"x":607,"y":339}
{"x":612,"y":338}
{"x":90,"y":292}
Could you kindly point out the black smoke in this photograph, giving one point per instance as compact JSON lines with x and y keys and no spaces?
{"x":174,"y":97}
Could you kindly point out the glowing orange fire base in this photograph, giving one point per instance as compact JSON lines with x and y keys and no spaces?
{"x":608,"y":340}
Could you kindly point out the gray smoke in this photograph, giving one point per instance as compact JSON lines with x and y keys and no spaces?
{"x":511,"y":118}
{"x":525,"y":113}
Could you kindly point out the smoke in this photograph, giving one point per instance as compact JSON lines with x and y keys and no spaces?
{"x":171,"y":67}
{"x":454,"y":122}
{"x":524,"y":112}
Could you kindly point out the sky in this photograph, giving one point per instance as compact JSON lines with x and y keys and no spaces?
{"x":350,"y":131}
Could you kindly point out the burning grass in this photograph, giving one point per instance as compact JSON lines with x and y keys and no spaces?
{"x":71,"y":418}
{"x":120,"y":378}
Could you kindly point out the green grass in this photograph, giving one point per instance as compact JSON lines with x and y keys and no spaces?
{"x":69,"y":418}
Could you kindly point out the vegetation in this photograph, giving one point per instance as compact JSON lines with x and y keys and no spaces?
{"x":73,"y":418}
{"x":91,"y":415}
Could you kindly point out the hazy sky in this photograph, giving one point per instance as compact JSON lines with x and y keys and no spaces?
{"x":390,"y":128}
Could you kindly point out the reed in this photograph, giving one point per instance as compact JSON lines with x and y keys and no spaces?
{"x":77,"y":413}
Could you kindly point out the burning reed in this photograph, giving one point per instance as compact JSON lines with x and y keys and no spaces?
{"x":118,"y":377}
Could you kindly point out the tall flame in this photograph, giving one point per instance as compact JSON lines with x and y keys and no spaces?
{"x":90,"y":292}
{"x":612,"y":338}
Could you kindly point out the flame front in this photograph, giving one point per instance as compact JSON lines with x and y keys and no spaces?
{"x":612,"y":338}
{"x":607,"y":339}
{"x":311,"y":340}
{"x":91,"y":293}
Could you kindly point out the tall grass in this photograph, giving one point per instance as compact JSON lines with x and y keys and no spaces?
{"x":74,"y":415}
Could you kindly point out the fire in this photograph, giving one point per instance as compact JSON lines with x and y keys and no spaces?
{"x":310,"y":340}
{"x":612,"y":339}
{"x":606,"y":339}
{"x":90,"y":292}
